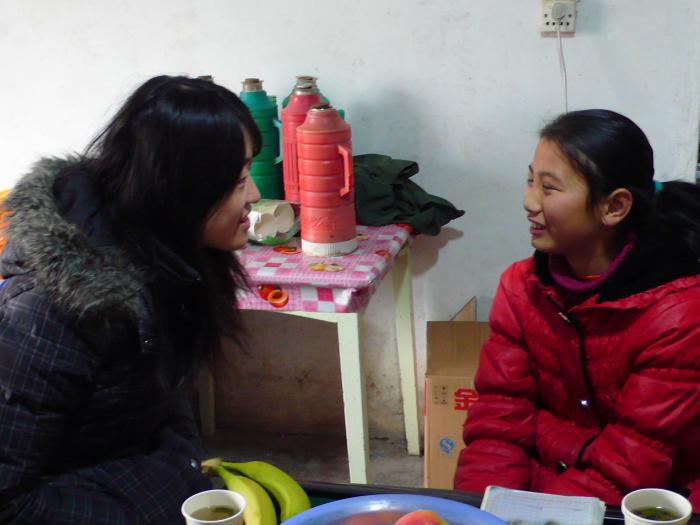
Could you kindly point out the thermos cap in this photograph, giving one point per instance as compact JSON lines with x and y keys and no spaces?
{"x":322,"y":107}
{"x":306,"y":79}
{"x":252,"y":84}
{"x":305,"y":89}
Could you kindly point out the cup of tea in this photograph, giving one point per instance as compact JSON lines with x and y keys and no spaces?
{"x":655,"y":507}
{"x":223,"y":507}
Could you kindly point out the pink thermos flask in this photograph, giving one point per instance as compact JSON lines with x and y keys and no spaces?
{"x":326,"y":183}
{"x":301,"y":101}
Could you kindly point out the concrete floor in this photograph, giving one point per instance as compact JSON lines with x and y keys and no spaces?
{"x":318,"y":458}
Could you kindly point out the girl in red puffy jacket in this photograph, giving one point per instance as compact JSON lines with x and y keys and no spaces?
{"x":590,"y":381}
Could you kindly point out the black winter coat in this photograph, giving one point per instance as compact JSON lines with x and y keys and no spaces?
{"x":89,"y":433}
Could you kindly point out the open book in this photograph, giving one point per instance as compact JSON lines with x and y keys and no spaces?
{"x":520,"y":507}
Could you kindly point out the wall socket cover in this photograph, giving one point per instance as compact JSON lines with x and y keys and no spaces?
{"x":550,"y":9}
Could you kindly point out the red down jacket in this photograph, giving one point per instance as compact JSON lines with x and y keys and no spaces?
{"x":599,"y":399}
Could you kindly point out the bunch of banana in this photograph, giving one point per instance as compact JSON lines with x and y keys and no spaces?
{"x":256,"y":481}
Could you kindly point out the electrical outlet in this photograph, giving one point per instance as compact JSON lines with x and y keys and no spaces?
{"x":558,"y":13}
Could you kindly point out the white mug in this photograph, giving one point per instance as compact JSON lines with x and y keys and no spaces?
{"x":211,"y":498}
{"x":643,"y":498}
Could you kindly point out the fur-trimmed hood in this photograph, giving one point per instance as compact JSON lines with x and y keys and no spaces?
{"x":70,"y":261}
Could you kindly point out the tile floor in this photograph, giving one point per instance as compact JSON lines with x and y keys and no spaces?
{"x":318,"y":458}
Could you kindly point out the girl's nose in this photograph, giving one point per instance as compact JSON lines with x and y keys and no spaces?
{"x":531,"y":199}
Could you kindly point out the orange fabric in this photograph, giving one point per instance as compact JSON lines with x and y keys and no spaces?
{"x":3,"y":218}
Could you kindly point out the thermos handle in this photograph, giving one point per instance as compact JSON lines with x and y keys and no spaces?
{"x":347,"y":169}
{"x":276,"y":122}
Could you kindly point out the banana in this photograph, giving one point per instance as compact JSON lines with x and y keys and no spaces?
{"x":289,"y":494}
{"x":259,"y":509}
{"x":209,"y":464}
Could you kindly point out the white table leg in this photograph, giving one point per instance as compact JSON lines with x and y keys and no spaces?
{"x":205,"y":390}
{"x":354,"y":397}
{"x":353,"y":384}
{"x":403,"y":307}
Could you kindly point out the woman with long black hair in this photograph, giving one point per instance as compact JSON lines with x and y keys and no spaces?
{"x":120,"y":280}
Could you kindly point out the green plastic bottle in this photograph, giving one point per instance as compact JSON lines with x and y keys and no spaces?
{"x":265,"y":168}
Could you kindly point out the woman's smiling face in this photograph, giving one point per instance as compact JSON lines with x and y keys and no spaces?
{"x":226,"y":229}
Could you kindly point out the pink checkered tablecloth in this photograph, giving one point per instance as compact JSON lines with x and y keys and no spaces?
{"x":283,"y":278}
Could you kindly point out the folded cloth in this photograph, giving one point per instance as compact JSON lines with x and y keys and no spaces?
{"x":385,"y":195}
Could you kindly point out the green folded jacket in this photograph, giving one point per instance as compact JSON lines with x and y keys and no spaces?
{"x":385,"y":195}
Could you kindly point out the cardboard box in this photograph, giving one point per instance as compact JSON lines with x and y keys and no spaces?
{"x":452,"y":361}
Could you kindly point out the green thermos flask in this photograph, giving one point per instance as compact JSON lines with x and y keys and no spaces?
{"x":265,"y":168}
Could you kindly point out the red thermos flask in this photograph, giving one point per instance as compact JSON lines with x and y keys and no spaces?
{"x":301,"y":101}
{"x":326,"y":183}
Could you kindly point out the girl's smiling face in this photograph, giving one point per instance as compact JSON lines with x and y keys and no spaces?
{"x":556,"y":202}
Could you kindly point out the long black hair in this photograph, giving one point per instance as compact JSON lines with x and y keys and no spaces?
{"x":611,"y":152}
{"x":170,"y":155}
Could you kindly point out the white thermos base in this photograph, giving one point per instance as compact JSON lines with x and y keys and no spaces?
{"x":328,"y":249}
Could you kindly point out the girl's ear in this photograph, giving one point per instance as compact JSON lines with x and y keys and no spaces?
{"x":616,"y":206}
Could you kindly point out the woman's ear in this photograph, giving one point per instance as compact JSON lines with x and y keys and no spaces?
{"x":616,"y":206}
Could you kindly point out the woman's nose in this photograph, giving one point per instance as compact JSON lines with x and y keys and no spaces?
{"x":253,"y":192}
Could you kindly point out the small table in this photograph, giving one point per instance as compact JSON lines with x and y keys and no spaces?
{"x":337,"y":289}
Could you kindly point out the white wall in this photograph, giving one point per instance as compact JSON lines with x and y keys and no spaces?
{"x":462,"y":86}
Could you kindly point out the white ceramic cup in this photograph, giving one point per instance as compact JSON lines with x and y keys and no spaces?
{"x":210,"y":498}
{"x":642,"y":498}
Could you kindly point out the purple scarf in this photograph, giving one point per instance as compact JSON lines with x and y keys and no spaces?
{"x":561,"y":272}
